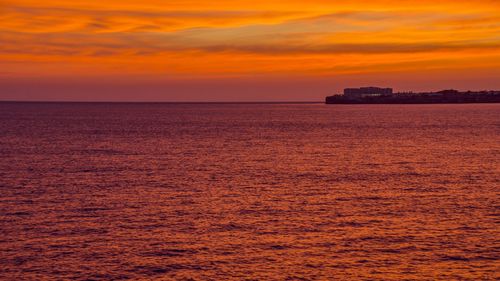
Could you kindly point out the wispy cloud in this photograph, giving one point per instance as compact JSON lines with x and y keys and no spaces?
{"x":245,"y":36}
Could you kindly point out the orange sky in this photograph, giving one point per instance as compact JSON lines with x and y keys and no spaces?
{"x":211,"y":50}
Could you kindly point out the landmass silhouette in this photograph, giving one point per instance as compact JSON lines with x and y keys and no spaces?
{"x":376,"y":95}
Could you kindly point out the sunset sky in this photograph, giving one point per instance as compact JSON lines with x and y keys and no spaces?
{"x":242,"y":50}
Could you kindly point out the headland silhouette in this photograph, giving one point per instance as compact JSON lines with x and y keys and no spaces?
{"x":376,"y":95}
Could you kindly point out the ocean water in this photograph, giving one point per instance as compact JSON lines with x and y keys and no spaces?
{"x":249,"y":192}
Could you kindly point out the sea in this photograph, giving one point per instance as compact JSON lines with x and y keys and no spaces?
{"x":159,"y":191}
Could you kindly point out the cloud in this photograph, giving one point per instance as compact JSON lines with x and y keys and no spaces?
{"x":234,"y":37}
{"x":47,"y":20}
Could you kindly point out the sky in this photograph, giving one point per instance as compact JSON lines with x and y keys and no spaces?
{"x":242,"y":50}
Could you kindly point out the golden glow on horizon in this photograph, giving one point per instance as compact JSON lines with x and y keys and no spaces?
{"x":193,"y":38}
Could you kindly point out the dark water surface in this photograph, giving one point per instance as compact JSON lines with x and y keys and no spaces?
{"x":249,"y":192}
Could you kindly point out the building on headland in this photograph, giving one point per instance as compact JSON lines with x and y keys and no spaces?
{"x":356,"y":93}
{"x":376,"y":95}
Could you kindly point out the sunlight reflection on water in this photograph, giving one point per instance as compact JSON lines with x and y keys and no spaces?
{"x":256,"y":192}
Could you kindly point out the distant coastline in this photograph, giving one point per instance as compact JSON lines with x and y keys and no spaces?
{"x":375,"y":95}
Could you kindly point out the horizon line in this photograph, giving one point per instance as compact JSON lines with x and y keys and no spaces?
{"x":165,"y":102}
